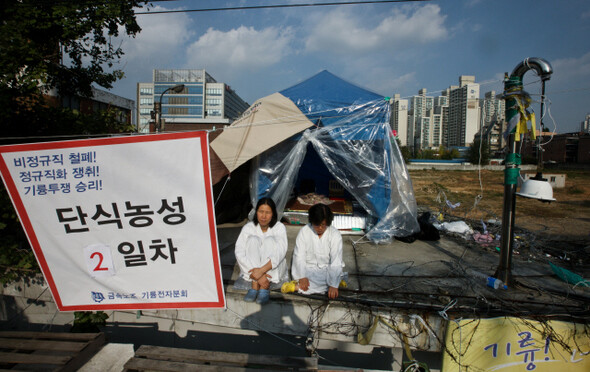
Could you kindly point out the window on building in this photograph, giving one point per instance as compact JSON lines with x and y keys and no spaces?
{"x":213,"y":102}
{"x":146,"y":101}
{"x":146,"y":91}
{"x":71,"y":102}
{"x":177,"y":110}
{"x":214,"y":91}
{"x":172,"y":100}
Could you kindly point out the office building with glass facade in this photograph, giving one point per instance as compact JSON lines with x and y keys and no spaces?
{"x":202,"y":104}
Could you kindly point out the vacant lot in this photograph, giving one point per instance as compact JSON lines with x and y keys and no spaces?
{"x":567,"y":219}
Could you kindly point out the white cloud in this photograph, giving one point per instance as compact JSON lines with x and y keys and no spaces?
{"x":571,"y":69}
{"x":387,"y":81}
{"x":243,"y":48}
{"x":343,"y":31}
{"x":160,"y":40}
{"x":472,"y":3}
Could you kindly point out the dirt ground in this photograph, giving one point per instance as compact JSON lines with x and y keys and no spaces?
{"x":562,"y":225}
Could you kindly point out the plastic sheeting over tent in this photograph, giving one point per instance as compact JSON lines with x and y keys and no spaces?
{"x":351,"y":135}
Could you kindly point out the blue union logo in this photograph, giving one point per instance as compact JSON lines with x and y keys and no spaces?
{"x":97,"y":296}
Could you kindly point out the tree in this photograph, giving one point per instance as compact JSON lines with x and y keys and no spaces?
{"x":448,"y":154}
{"x":406,"y":153}
{"x":404,"y":150}
{"x":477,"y":155}
{"x":35,"y":37}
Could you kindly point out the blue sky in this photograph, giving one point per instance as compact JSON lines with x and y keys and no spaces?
{"x":386,"y":48}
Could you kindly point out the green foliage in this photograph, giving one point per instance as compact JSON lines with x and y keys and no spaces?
{"x":426,"y":154}
{"x":442,"y":153}
{"x":475,"y":155}
{"x":448,"y":154}
{"x":88,"y":321}
{"x":406,"y":153}
{"x":404,"y":150}
{"x":36,"y":37}
{"x":16,"y":258}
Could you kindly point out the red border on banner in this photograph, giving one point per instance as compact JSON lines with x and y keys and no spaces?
{"x":28,"y":227}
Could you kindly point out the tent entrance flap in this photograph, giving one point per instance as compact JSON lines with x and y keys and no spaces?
{"x":314,"y":177}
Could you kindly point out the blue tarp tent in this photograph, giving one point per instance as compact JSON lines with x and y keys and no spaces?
{"x":353,"y":139}
{"x":348,"y":131}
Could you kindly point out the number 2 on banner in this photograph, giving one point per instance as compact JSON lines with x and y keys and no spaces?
{"x":99,"y":261}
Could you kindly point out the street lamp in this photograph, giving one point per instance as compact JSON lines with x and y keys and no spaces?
{"x":158,"y":107}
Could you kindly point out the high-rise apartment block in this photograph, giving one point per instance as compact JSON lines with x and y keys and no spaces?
{"x":202,"y":104}
{"x":493,"y":121}
{"x":399,"y":118}
{"x":420,"y":120}
{"x":585,"y":125}
{"x":464,"y":112}
{"x":452,"y":119}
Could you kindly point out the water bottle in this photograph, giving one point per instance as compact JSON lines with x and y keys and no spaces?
{"x":490,"y":280}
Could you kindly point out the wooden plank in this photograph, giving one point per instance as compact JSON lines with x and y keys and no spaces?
{"x":33,"y":358}
{"x":76,"y":348}
{"x":141,"y":364}
{"x":26,"y":344}
{"x":84,"y":355}
{"x":50,"y":335}
{"x":242,"y":359}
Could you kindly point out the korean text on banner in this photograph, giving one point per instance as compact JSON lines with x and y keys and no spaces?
{"x":516,"y":345}
{"x":120,"y":223}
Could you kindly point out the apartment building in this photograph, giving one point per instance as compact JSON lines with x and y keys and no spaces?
{"x":464,"y":112}
{"x":398,"y":119}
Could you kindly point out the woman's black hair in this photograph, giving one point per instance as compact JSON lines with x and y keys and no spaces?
{"x":273,"y":208}
{"x":320,"y":212}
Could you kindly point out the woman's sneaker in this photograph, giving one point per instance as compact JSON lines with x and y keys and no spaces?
{"x":251,"y":295}
{"x":263,"y":296}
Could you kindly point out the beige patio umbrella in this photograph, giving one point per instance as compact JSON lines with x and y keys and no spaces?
{"x":269,"y":121}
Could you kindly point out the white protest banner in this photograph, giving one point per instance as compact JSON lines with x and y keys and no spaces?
{"x":120,"y":223}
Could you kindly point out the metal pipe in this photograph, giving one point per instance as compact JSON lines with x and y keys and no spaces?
{"x":504,"y":270}
{"x":541,"y":67}
{"x":511,"y":171}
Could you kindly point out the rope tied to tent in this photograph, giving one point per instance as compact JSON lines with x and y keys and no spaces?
{"x":222,"y":188}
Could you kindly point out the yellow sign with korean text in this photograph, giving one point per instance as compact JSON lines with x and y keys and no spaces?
{"x":510,"y":344}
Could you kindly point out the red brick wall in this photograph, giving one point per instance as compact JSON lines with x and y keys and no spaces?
{"x":555,"y":150}
{"x":584,"y":150}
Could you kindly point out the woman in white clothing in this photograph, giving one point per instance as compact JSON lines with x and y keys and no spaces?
{"x":317,"y":257}
{"x":260,"y":251}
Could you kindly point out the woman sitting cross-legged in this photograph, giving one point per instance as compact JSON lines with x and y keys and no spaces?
{"x":317,"y":256}
{"x":260,"y":252}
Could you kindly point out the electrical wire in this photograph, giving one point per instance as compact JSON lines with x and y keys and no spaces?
{"x":275,"y":6}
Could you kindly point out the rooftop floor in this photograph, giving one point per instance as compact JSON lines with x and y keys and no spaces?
{"x":414,"y":288}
